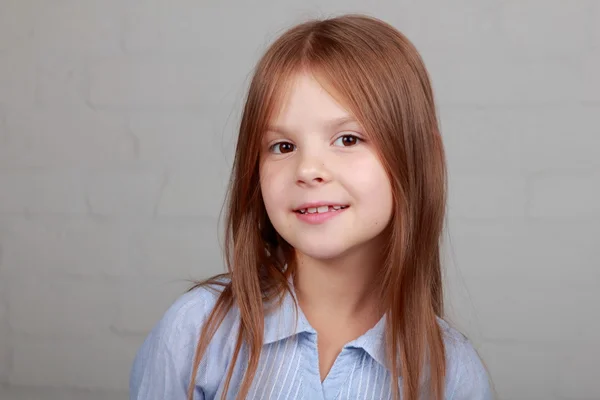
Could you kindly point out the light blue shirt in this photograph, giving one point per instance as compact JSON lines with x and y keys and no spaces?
{"x":288,"y":367}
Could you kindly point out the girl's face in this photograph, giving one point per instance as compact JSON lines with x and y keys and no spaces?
{"x":324,"y":188}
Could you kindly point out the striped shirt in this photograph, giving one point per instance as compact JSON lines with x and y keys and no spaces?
{"x":288,"y":367}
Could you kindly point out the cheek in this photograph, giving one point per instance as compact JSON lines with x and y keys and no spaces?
{"x":372,"y":186}
{"x":271,"y":186}
{"x":367,"y":172}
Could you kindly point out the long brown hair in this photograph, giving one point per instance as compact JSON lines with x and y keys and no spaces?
{"x":378,"y":75}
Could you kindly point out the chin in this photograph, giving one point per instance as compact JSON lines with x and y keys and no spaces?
{"x":321,"y":251}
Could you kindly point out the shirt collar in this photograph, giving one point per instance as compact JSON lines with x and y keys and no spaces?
{"x":289,"y":320}
{"x":373,"y":342}
{"x":286,"y":320}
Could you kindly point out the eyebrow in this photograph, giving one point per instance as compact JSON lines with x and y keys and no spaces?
{"x":332,"y":124}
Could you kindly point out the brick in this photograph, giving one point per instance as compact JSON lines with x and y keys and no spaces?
{"x":154,"y":26}
{"x":533,"y":250}
{"x":534,"y":310}
{"x":3,"y":308}
{"x":64,"y":138}
{"x":76,"y":246}
{"x":143,"y":302}
{"x":591,"y":90}
{"x":520,"y":140}
{"x":36,"y":362}
{"x":16,"y":23}
{"x":185,"y":194}
{"x":42,"y":191}
{"x":558,"y":138}
{"x":482,"y":139}
{"x":530,"y":27}
{"x":487,"y":195}
{"x":144,"y":83}
{"x":502,"y":82}
{"x":17,"y":77}
{"x":470,"y":28}
{"x":60,"y":307}
{"x":566,"y":196}
{"x":522,"y":370}
{"x":579,"y":370}
{"x":61,"y":81}
{"x":5,"y":356}
{"x":131,"y":192}
{"x":593,"y":19}
{"x":177,"y":248}
{"x":92,"y":28}
{"x":3,"y":129}
{"x":5,"y":340}
{"x":178,"y":140}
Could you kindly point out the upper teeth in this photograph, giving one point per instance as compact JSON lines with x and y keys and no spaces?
{"x":321,"y":209}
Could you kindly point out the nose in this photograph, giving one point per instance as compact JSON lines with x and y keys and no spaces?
{"x":311,"y":170}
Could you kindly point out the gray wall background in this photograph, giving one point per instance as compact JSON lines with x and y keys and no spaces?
{"x":117,"y":124}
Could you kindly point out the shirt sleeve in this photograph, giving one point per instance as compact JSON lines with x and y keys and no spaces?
{"x":163,"y":364}
{"x":472,"y":381}
{"x":155,"y":376}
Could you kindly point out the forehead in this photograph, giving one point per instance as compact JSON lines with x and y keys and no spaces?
{"x":307,"y":104}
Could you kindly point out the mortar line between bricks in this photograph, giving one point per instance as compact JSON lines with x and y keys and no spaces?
{"x":10,"y":361}
{"x":161,"y":191}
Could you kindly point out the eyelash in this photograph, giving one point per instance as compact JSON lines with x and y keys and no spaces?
{"x":358,"y":140}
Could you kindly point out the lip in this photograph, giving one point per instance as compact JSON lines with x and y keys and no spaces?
{"x":319,"y":218}
{"x":319,"y":204}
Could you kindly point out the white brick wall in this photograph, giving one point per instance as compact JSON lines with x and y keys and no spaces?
{"x":39,"y":191}
{"x":64,"y":307}
{"x":566,"y":195}
{"x":584,"y":360}
{"x":17,"y":77}
{"x":509,"y":361}
{"x":5,"y":343}
{"x":545,"y":29}
{"x":116,"y":126}
{"x":87,"y":138}
{"x":67,"y":363}
{"x":148,"y":82}
{"x":101,"y":246}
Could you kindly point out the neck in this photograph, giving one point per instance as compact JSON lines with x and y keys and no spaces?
{"x":342,"y":288}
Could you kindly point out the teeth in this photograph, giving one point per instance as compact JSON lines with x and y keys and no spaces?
{"x":321,"y":209}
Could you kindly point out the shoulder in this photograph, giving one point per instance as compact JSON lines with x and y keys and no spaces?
{"x":466,"y":375}
{"x":181,"y":324}
{"x":175,"y":336}
{"x":188,"y":312}
{"x":163,"y":364}
{"x":177,"y":330}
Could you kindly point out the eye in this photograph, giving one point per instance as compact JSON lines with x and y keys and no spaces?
{"x":347,"y":140}
{"x":282,"y":148}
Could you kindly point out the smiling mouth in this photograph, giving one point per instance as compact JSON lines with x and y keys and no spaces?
{"x":320,"y":210}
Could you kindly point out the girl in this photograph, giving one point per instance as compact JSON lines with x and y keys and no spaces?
{"x":336,"y":206}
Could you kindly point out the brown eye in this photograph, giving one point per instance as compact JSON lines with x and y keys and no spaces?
{"x":347,"y":140}
{"x":282,"y":148}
